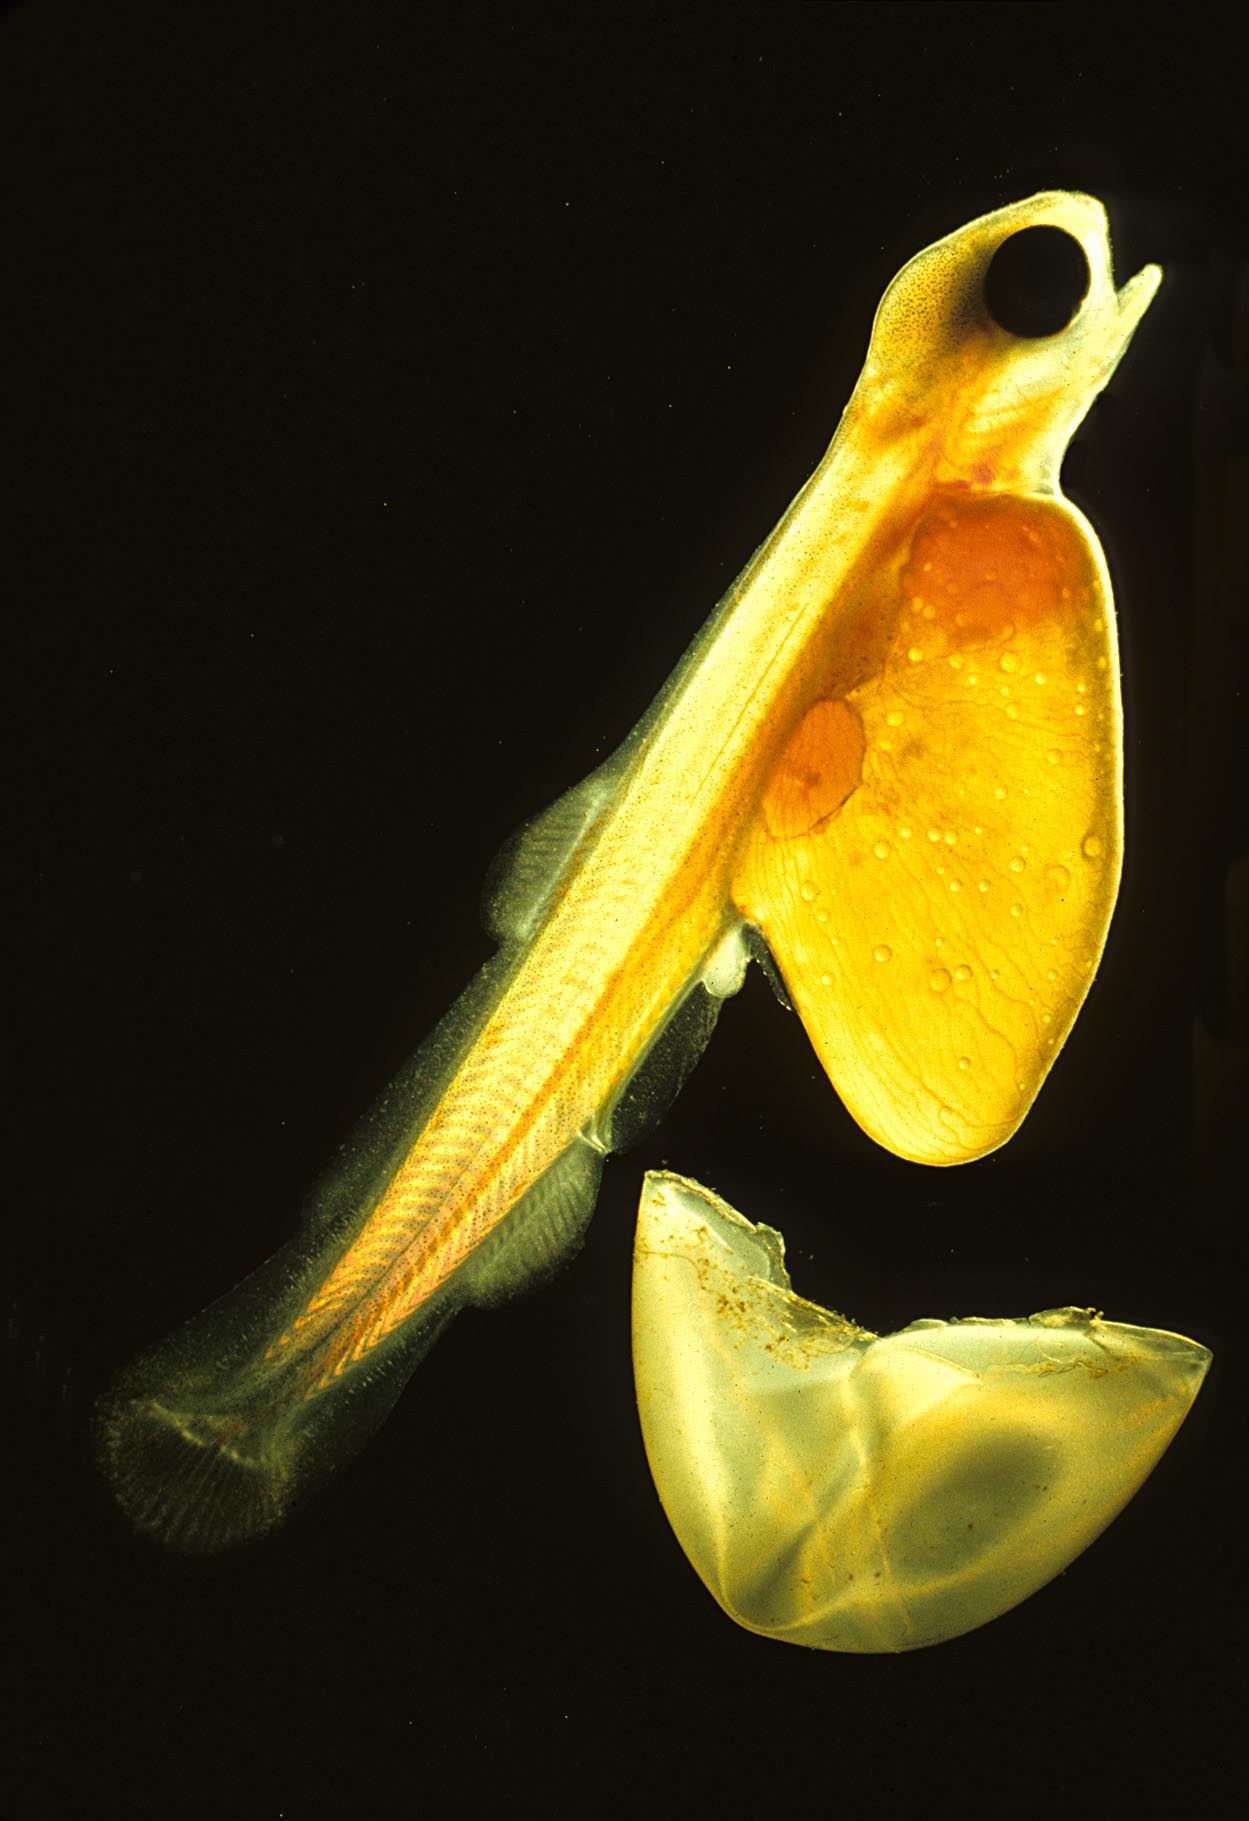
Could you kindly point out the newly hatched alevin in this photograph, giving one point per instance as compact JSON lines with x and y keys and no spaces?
{"x":892,"y":756}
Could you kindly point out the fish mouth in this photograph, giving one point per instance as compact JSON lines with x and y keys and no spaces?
{"x":1132,"y":300}
{"x":1111,"y":319}
{"x":1135,"y":297}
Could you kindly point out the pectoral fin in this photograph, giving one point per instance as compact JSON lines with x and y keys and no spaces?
{"x":936,"y":857}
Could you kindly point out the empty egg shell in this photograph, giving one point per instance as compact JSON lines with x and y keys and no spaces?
{"x":849,"y":1491}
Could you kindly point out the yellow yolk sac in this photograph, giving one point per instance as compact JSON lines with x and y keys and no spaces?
{"x":856,"y":1492}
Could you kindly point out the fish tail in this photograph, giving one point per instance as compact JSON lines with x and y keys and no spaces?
{"x":211,"y":1439}
{"x":197,"y":1481}
{"x":206,"y":1462}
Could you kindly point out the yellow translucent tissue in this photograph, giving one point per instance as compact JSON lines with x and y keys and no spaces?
{"x":890,"y":764}
{"x":857,"y":1492}
{"x":937,"y":850}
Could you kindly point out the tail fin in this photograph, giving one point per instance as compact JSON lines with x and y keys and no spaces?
{"x":207,"y":1441}
{"x":196,"y":1482}
{"x":205,"y":1462}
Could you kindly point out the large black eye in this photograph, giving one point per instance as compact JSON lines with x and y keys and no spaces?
{"x":1036,"y":282}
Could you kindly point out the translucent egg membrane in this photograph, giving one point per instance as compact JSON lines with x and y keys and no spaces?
{"x":850,"y":1491}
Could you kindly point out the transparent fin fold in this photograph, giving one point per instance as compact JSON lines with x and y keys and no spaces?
{"x":543,"y":1230}
{"x":534,"y":861}
{"x":673,"y":1053}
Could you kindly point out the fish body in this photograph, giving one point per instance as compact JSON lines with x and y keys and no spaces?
{"x":822,"y":703}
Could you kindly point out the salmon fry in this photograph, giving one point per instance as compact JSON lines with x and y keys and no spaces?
{"x":893,"y":755}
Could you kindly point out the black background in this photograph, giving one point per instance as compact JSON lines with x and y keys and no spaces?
{"x":385,"y":399}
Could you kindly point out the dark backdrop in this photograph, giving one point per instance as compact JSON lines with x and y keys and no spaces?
{"x":386,"y":396}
